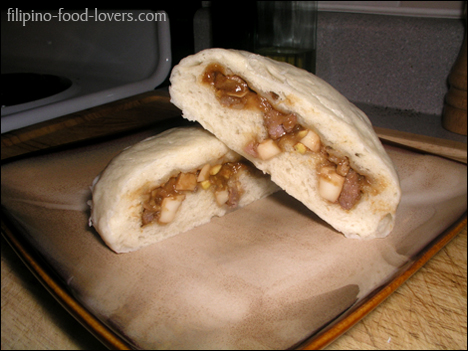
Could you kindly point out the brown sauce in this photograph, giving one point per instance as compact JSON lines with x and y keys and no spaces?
{"x":227,"y":178}
{"x":234,"y":92}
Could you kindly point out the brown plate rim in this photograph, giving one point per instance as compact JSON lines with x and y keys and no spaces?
{"x":339,"y":326}
{"x":38,"y":266}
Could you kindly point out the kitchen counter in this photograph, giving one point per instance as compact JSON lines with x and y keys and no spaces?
{"x":426,"y":312}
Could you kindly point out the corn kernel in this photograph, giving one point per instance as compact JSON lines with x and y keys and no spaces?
{"x":299,"y":147}
{"x":205,"y":184}
{"x":215,"y":169}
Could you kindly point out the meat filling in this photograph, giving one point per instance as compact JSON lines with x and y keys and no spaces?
{"x":161,"y":203}
{"x":341,"y":184}
{"x":351,"y":192}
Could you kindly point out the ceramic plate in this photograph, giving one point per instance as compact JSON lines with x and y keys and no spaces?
{"x":269,"y":276}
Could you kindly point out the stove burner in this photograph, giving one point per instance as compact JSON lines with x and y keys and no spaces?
{"x":19,"y":88}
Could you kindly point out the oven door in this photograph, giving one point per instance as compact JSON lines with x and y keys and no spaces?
{"x":56,"y":62}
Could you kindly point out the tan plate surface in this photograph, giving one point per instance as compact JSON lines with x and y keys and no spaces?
{"x":271,"y":275}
